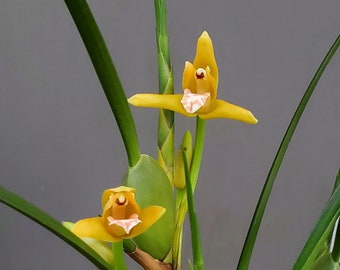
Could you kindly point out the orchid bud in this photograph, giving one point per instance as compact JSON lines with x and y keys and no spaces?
{"x":179,"y":174}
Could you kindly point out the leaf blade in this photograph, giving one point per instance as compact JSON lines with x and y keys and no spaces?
{"x":249,"y":243}
{"x":29,"y":210}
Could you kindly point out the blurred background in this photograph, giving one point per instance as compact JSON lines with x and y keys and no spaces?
{"x":60,"y":146}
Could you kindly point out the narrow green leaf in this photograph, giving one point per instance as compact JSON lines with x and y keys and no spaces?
{"x":320,"y":233}
{"x":249,"y":243}
{"x":107,"y":74}
{"x":337,"y":180}
{"x":26,"y":208}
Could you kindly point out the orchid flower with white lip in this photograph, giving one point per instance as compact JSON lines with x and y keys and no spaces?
{"x":121,"y":218}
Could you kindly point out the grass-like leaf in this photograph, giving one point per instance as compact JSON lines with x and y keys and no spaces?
{"x":249,"y":243}
{"x":26,"y":208}
{"x":107,"y":74}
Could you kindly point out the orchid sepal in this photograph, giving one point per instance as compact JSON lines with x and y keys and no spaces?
{"x":95,"y":228}
{"x":101,"y":247}
{"x":218,"y":108}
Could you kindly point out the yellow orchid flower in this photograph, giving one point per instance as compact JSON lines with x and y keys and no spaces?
{"x":200,"y":81}
{"x":121,"y":217}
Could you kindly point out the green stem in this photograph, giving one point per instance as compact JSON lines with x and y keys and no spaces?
{"x":249,"y":243}
{"x":198,"y":151}
{"x":129,"y":246}
{"x":181,"y":209}
{"x":194,"y":228}
{"x":118,"y":256}
{"x":107,"y":75}
{"x":181,"y":198}
{"x":166,"y":86}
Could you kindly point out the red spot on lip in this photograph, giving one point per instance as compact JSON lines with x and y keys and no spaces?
{"x":120,"y":201}
{"x":200,"y":75}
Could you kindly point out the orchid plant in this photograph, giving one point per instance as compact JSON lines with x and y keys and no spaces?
{"x":144,"y":216}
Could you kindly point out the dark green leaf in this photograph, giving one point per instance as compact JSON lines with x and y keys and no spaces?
{"x":249,"y":243}
{"x":26,"y":208}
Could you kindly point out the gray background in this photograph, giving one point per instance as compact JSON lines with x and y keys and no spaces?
{"x":60,"y":147}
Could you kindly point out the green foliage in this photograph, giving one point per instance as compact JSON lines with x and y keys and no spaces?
{"x":107,"y":75}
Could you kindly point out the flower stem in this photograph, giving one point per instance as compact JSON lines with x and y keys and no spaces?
{"x":194,"y":228}
{"x":166,"y":86}
{"x":181,"y":198}
{"x":198,"y":151}
{"x":107,"y":74}
{"x":118,"y":256}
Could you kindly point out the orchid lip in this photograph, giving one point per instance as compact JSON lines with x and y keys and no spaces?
{"x":193,"y":102}
{"x":126,"y":224}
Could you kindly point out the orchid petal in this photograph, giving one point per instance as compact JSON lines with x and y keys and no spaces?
{"x":188,"y":81}
{"x":205,"y":56}
{"x":223,"y":109}
{"x":108,"y":192}
{"x":93,"y":228}
{"x":169,"y":102}
{"x":148,"y":216}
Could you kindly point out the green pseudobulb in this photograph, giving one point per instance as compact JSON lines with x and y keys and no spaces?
{"x":153,"y":188}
